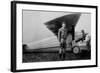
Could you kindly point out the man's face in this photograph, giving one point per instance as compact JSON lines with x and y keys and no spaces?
{"x":63,"y":25}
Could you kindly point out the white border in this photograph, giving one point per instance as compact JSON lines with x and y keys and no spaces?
{"x":36,"y":65}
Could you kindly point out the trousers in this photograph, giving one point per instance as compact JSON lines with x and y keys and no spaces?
{"x":63,"y":46}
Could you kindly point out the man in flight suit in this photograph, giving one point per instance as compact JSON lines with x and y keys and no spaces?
{"x":62,"y":36}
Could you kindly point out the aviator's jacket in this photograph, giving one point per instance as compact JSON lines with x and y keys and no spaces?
{"x":62,"y":34}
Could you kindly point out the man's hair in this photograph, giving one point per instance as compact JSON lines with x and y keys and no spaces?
{"x":63,"y":23}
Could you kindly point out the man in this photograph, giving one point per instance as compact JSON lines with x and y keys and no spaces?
{"x":83,"y":35}
{"x":62,"y":36}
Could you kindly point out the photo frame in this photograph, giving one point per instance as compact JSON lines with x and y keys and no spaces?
{"x":35,"y":28}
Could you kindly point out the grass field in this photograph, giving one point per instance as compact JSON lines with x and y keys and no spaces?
{"x":40,"y":56}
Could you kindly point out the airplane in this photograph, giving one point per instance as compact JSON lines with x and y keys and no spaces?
{"x":52,"y":42}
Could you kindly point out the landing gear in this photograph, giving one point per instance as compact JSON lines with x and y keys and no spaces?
{"x":76,"y":50}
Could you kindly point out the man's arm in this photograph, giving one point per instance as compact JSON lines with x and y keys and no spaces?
{"x":59,"y":36}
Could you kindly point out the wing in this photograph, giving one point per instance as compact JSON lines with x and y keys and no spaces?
{"x":55,"y":24}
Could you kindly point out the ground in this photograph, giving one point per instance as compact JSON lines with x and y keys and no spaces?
{"x":41,"y":56}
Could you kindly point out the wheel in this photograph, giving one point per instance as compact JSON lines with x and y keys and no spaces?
{"x":76,"y":50}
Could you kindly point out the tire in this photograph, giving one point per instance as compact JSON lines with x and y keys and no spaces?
{"x":76,"y":49}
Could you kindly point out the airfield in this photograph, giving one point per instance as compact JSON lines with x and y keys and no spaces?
{"x":52,"y":54}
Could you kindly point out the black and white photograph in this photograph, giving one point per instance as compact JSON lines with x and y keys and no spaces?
{"x":47,"y":36}
{"x":56,"y":36}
